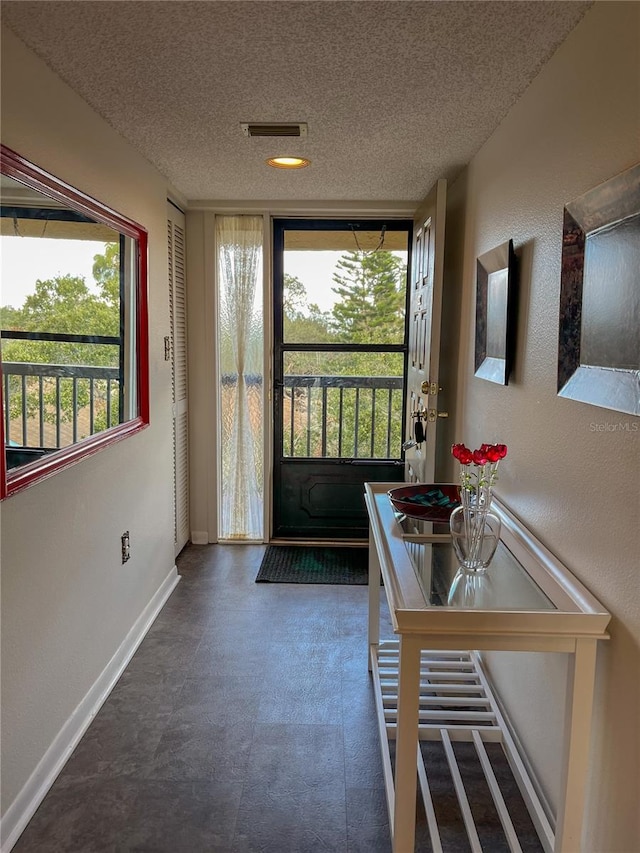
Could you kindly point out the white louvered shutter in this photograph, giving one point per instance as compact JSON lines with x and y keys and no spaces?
{"x":178,"y":314}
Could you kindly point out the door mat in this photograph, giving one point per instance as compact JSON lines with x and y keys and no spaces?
{"x":314,"y":564}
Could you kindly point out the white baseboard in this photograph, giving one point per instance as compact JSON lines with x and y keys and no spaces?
{"x":199,"y":537}
{"x":27,"y":801}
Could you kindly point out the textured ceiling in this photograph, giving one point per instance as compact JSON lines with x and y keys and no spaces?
{"x":395,"y":94}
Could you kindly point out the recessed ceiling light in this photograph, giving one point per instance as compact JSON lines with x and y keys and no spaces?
{"x":288,"y":162}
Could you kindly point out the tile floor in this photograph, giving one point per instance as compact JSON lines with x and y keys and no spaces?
{"x":245,"y":722}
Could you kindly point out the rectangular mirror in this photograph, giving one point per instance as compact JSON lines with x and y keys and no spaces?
{"x":73,"y":319}
{"x":495,"y":314}
{"x":598,"y":341}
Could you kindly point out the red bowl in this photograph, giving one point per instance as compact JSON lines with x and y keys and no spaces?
{"x":427,"y":501}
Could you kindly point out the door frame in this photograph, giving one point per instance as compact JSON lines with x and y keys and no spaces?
{"x":202,"y":335}
{"x":334,"y":222}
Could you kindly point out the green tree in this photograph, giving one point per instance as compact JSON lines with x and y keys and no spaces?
{"x":106,"y":272}
{"x":304,"y":322}
{"x":294,"y":298}
{"x":372,"y":291}
{"x":65,"y":304}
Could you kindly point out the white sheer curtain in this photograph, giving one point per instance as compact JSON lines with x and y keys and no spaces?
{"x":240,"y":350}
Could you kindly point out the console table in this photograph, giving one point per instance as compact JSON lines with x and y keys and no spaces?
{"x":430,"y":684}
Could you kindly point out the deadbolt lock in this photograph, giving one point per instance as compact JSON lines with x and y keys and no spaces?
{"x":432,"y":415}
{"x":430,"y":388}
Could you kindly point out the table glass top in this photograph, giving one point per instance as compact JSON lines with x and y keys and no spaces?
{"x":505,"y":585}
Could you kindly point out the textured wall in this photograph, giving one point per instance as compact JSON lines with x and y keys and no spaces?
{"x":573,"y":470}
{"x":67,"y":602}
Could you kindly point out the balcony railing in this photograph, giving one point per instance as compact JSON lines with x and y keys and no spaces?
{"x":355,"y":417}
{"x":342,"y":417}
{"x":53,"y":405}
{"x":47,"y":406}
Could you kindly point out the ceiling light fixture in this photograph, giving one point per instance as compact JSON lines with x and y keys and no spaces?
{"x":288,"y":162}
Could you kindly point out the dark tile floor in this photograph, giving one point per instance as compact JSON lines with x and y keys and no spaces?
{"x":245,"y":723}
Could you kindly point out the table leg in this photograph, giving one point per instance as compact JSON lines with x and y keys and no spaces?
{"x":374,"y":595}
{"x":404,"y":816}
{"x":577,"y":743}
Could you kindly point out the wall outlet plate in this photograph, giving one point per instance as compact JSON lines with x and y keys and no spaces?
{"x":126,"y":550}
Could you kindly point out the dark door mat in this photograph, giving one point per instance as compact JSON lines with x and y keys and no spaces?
{"x":314,"y":564}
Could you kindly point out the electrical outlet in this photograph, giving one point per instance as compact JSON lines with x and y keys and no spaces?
{"x":126,"y":550}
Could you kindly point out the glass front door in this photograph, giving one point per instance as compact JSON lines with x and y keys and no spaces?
{"x":340,"y":345}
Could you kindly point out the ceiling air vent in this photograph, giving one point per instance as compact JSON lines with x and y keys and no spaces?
{"x":289,"y":129}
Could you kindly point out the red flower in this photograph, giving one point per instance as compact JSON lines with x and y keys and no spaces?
{"x":493,"y":454}
{"x":462,"y":454}
{"x":479,"y":457}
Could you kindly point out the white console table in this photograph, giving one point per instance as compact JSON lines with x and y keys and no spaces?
{"x":430,"y":684}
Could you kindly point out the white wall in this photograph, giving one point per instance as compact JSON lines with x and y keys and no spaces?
{"x":67,"y":602}
{"x":576,"y":487}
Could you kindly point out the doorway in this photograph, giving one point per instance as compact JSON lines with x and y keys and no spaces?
{"x":340,"y":360}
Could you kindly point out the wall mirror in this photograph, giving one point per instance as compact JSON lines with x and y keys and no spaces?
{"x":73,"y":319}
{"x":495,"y":314}
{"x":598,"y":341}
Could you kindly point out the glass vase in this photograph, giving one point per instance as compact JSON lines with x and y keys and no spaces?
{"x":471,"y":589}
{"x":475,"y":533}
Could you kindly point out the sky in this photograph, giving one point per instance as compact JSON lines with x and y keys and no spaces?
{"x":24,"y":260}
{"x":315,"y":270}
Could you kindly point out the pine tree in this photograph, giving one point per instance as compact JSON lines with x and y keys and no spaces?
{"x":372,"y":291}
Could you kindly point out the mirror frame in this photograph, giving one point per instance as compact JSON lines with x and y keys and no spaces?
{"x":15,"y":166}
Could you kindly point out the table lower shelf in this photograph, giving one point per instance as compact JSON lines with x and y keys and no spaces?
{"x":457,"y":707}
